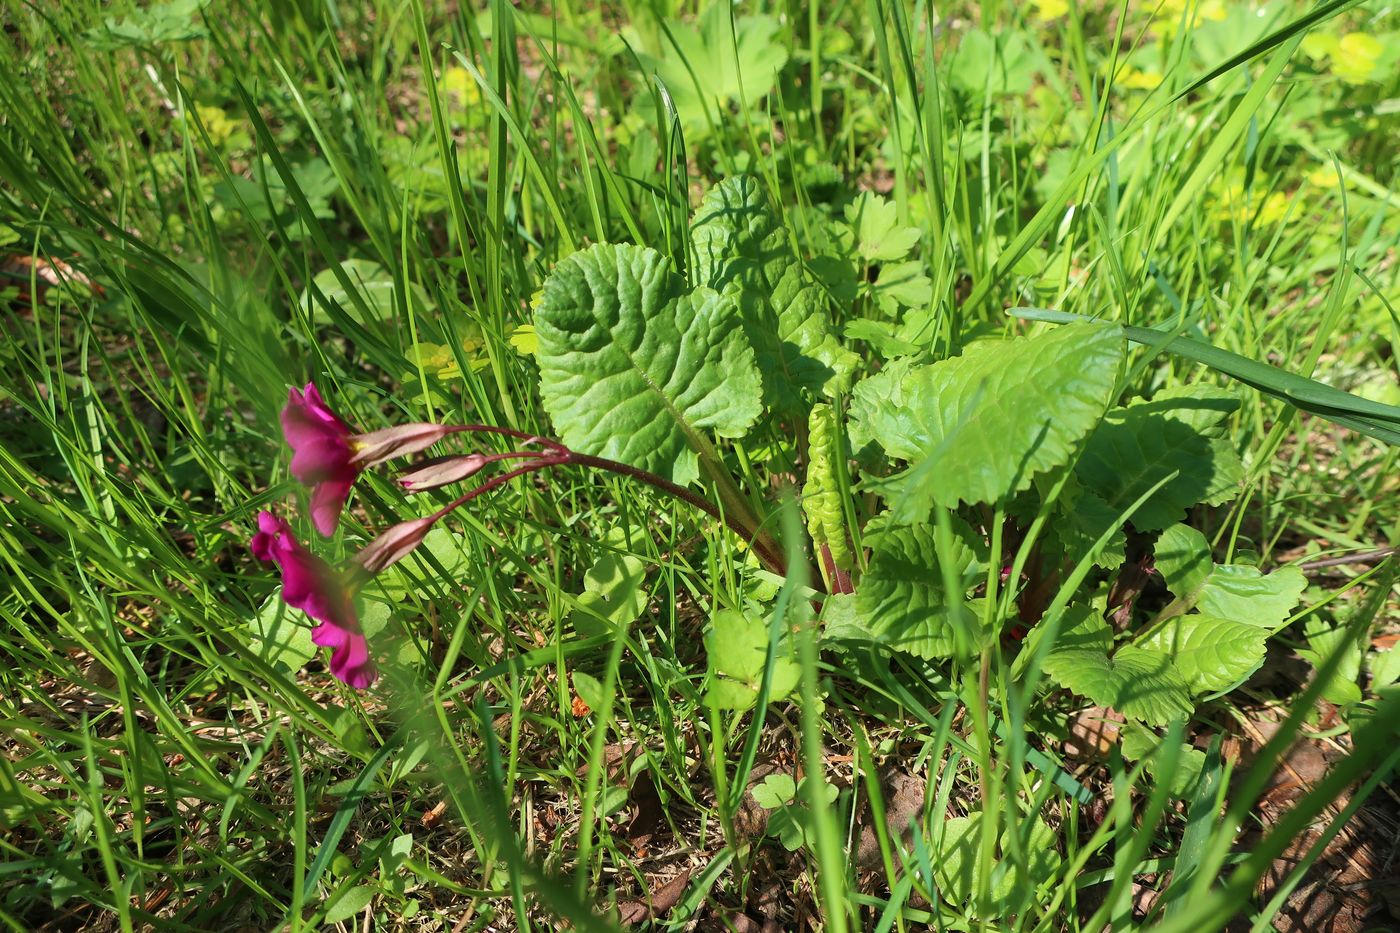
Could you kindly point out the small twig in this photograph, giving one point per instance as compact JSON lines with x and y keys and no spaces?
{"x":1361,"y":557}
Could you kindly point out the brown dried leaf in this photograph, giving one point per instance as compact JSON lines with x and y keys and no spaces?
{"x":659,"y":903}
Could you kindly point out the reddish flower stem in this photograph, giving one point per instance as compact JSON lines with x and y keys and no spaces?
{"x":771,"y":559}
{"x":558,"y":455}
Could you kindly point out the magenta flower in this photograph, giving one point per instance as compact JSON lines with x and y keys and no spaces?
{"x":310,"y":585}
{"x":322,"y":454}
{"x":329,"y":456}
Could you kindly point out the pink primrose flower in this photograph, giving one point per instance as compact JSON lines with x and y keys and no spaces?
{"x":310,"y":585}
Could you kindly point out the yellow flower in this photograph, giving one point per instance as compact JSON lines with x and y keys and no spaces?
{"x":524,"y":339}
{"x":1233,"y":203}
{"x":1050,"y":9}
{"x":1170,"y":13}
{"x":1356,"y":56}
{"x":459,"y":83}
{"x":216,"y":123}
{"x":1133,"y":79}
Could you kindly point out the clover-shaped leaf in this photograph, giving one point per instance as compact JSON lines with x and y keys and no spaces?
{"x":737,"y":649}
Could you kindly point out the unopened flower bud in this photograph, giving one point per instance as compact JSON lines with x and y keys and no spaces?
{"x":398,"y":441}
{"x":443,"y":473}
{"x":394,"y":544}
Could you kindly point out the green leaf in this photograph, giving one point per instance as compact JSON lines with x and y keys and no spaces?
{"x":349,"y":903}
{"x":1175,"y":432}
{"x":1182,"y":557}
{"x":842,"y":620}
{"x":1138,"y":742}
{"x":707,"y":66}
{"x":1324,"y":640}
{"x":589,"y":690}
{"x":375,"y":285}
{"x":1139,"y":684}
{"x":956,"y":842}
{"x":174,"y":21}
{"x":875,"y":226}
{"x":776,"y":790}
{"x":1084,"y":519}
{"x":633,"y":367}
{"x":1384,"y":667}
{"x":387,"y":640}
{"x":742,"y":250}
{"x":1242,"y":593}
{"x":994,"y":64}
{"x":901,"y":596}
{"x":613,"y":594}
{"x":736,"y":647}
{"x":1082,"y":628}
{"x":1210,"y":653}
{"x":979,"y":427}
{"x":282,"y":636}
{"x":881,"y":412}
{"x":821,"y":493}
{"x":1374,"y":419}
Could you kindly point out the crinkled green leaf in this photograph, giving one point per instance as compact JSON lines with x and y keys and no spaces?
{"x":742,"y":250}
{"x":821,"y":493}
{"x":1082,"y":628}
{"x":736,"y":647}
{"x":881,"y":412}
{"x":633,"y":367}
{"x":979,"y":427}
{"x":1176,"y":432}
{"x":1243,"y":594}
{"x":1210,"y":653}
{"x":902,"y":597}
{"x":1084,"y":519}
{"x":842,"y":619}
{"x":1182,"y":557}
{"x":1139,"y":684}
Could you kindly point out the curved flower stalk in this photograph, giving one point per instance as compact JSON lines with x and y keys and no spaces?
{"x":329,"y":456}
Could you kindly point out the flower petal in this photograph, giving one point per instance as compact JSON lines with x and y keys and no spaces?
{"x":327,"y":500}
{"x":397,"y":441}
{"x":394,"y":544}
{"x":350,"y":662}
{"x":264,"y":541}
{"x":320,"y":459}
{"x":443,"y":473}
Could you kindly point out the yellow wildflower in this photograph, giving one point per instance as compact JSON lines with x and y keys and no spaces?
{"x":1233,"y":203}
{"x":216,"y":123}
{"x":459,"y":83}
{"x":1138,"y":80}
{"x":1050,"y":9}
{"x":1356,"y":56}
